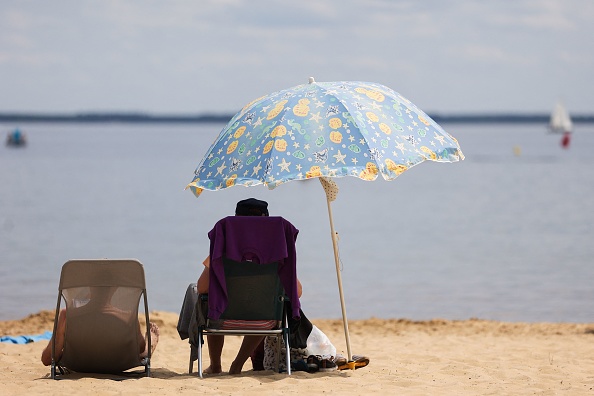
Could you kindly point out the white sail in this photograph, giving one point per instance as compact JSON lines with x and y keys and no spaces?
{"x":560,"y":121}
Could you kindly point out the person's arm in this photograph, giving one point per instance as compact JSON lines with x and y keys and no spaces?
{"x":299,"y":289}
{"x":202,"y":284}
{"x":46,"y":355}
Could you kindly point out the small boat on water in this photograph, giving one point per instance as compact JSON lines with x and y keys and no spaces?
{"x":16,"y":138}
{"x":560,"y":120}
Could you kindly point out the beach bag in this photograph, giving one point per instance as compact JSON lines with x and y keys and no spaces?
{"x":270,"y":344}
{"x":318,"y":344}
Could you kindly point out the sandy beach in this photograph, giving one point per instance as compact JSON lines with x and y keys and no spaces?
{"x":406,"y":357}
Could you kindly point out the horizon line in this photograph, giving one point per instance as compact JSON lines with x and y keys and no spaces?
{"x":147,"y":117}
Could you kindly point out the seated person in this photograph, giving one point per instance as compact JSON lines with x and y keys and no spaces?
{"x":99,"y":304}
{"x":252,"y":346}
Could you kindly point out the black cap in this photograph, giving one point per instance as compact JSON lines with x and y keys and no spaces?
{"x":251,"y":207}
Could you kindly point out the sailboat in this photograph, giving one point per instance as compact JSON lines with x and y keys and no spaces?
{"x":560,"y":120}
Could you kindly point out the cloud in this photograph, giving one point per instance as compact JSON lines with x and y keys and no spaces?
{"x":185,"y":55}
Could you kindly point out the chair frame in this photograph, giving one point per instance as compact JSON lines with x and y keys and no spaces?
{"x":146,"y":361}
{"x":281,"y":332}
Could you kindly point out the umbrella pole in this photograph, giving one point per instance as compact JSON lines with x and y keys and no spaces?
{"x":339,"y":278}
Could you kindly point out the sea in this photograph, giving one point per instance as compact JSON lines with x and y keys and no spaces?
{"x":507,"y":234}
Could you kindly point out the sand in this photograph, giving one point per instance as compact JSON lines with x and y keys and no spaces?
{"x":406,"y":357}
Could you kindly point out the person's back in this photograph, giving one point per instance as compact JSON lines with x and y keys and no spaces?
{"x":100,"y":341}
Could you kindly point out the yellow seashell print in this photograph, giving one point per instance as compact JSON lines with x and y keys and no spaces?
{"x":232,"y":146}
{"x":335,"y":123}
{"x":314,"y":171}
{"x":301,"y":109}
{"x":371,"y":168}
{"x":278,"y":131}
{"x":424,"y":120}
{"x":428,"y":151}
{"x":277,"y":109}
{"x":335,"y":137}
{"x":231,"y":180}
{"x":375,"y":95}
{"x":385,"y":128}
{"x":372,"y":116}
{"x":367,"y":175}
{"x":268,"y":147}
{"x":280,"y":145}
{"x":391,"y":165}
{"x":239,"y":132}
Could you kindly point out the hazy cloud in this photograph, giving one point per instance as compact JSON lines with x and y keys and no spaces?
{"x":212,"y":55}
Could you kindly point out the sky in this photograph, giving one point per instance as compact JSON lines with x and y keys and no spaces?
{"x":215,"y":56}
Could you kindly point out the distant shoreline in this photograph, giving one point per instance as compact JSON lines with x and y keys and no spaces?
{"x":224,"y":118}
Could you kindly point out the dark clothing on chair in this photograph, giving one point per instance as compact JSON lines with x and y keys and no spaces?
{"x":250,"y":238}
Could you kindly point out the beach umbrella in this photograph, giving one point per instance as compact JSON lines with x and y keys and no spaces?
{"x":323,"y":130}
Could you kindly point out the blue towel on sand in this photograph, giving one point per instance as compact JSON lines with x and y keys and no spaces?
{"x":25,"y":339}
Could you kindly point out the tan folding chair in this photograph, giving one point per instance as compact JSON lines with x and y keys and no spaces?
{"x":102,"y":328}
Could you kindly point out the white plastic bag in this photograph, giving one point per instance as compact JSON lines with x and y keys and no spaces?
{"x":319,"y":344}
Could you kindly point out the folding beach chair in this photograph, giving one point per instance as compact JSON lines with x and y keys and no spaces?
{"x":256,"y":299}
{"x":252,"y":288}
{"x":102,"y":328}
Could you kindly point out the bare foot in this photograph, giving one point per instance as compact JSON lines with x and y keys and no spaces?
{"x":154,"y":329}
{"x":235,"y":368}
{"x":153,"y":333}
{"x":212,"y":369}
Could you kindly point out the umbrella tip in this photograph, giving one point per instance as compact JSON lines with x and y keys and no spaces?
{"x":311,"y":80}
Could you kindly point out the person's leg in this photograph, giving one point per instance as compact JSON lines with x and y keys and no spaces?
{"x":154,"y":334}
{"x":257,"y":357}
{"x":247,"y":347}
{"x":58,"y":338}
{"x":215,"y":350}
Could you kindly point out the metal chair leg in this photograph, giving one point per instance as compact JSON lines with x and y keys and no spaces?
{"x":200,"y":341}
{"x":288,"y":351}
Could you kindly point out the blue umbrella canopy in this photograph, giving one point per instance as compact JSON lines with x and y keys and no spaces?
{"x":323,"y":130}
{"x":329,"y":129}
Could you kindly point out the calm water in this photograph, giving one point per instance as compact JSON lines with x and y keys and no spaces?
{"x":497,"y":236}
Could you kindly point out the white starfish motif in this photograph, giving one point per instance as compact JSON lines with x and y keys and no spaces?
{"x":284,"y":165}
{"x":340,"y":157}
{"x":315,"y":117}
{"x":400,"y":146}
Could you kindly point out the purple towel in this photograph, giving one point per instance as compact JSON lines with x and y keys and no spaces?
{"x":261,"y":239}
